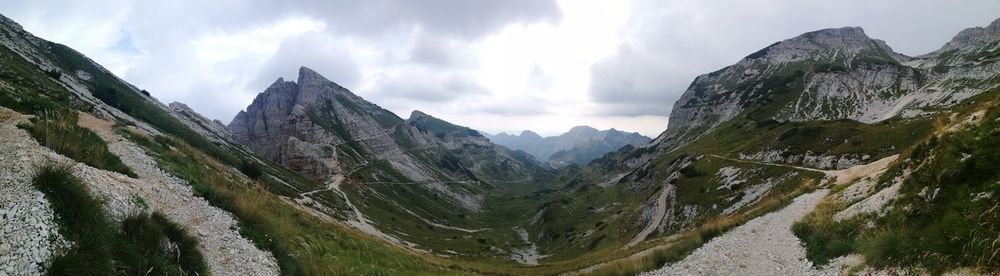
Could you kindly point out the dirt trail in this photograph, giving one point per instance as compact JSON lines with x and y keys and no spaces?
{"x":661,"y":210}
{"x":762,"y":246}
{"x":853,"y":173}
{"x":840,"y":176}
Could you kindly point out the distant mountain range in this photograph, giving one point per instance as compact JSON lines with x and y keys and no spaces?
{"x":579,"y":145}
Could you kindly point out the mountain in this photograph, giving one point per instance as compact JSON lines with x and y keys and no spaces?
{"x":579,"y":145}
{"x":381,"y":171}
{"x":833,"y":74}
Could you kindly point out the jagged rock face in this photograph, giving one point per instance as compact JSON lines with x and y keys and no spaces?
{"x":262,"y":126}
{"x":304,"y":124}
{"x":318,"y":128}
{"x":835,"y":74}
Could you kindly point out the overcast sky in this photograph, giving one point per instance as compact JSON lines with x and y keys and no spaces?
{"x":493,"y":65}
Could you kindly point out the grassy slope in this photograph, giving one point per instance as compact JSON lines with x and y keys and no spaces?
{"x":947,"y":214}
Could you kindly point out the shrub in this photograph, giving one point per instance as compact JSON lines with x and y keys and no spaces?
{"x":690,"y":171}
{"x":81,"y":220}
{"x":250,"y":169}
{"x":55,"y":74}
{"x":152,"y":244}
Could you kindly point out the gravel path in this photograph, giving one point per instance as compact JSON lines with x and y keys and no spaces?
{"x":762,"y":246}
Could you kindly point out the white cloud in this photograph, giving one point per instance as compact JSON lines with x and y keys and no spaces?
{"x":218,"y":46}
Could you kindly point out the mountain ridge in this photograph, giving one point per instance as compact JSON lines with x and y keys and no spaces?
{"x":578,"y":146}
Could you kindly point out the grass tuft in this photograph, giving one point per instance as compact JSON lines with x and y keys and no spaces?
{"x":141,"y":244}
{"x":58,"y":131}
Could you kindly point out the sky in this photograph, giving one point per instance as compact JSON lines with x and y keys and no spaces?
{"x":492,"y":65}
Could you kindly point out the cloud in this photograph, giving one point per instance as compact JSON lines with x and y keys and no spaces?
{"x":457,"y":18}
{"x":538,"y":79}
{"x":421,"y":84}
{"x":525,"y":106}
{"x":438,"y":51}
{"x":460,"y":18}
{"x":318,"y":51}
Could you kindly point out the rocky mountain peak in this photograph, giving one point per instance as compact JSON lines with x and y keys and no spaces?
{"x":973,"y":39}
{"x":281,"y":86}
{"x":309,"y":76}
{"x":850,"y":32}
{"x":416,"y":114}
{"x":577,"y":129}
{"x":845,"y":43}
{"x":531,"y":134}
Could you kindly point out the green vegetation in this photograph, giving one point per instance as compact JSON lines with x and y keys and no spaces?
{"x":946,"y":216}
{"x":838,"y":137}
{"x":101,"y":247}
{"x":27,"y":89}
{"x":59,"y":132}
{"x":962,"y":183}
{"x":826,"y":238}
{"x":250,"y":169}
{"x":142,"y":248}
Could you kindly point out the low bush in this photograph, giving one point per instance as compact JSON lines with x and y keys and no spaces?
{"x":825,"y":239}
{"x":250,"y":169}
{"x":81,"y":220}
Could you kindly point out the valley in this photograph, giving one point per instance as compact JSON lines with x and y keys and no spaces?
{"x":803,"y":158}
